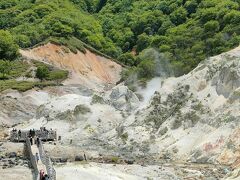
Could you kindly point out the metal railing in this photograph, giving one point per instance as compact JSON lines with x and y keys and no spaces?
{"x":16,"y":137}
{"x":47,"y":162}
{"x":44,"y":158}
{"x":32,"y":159}
{"x":44,"y":135}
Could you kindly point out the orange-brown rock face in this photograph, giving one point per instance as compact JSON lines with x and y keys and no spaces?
{"x":87,"y":69}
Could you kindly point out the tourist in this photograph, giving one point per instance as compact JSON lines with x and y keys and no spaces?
{"x":19,"y":133}
{"x":85,"y":158}
{"x":38,"y":141}
{"x":31,"y":141}
{"x":37,"y":157}
{"x":41,"y":174}
{"x":30,"y":133}
{"x":33,"y":133}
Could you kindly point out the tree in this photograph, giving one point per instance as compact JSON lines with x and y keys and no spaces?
{"x":164,"y":7}
{"x":165,"y":26}
{"x":146,"y":69}
{"x":160,"y":40}
{"x":127,"y":59}
{"x":179,"y":16}
{"x":8,"y":48}
{"x":143,"y":42}
{"x":5,"y":68}
{"x":233,"y":17}
{"x":101,"y":4}
{"x":23,"y":40}
{"x":42,"y":72}
{"x":60,"y":29}
{"x":191,"y":6}
{"x":211,"y":26}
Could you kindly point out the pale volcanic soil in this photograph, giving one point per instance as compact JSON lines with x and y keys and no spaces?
{"x":185,"y":128}
{"x":18,"y":172}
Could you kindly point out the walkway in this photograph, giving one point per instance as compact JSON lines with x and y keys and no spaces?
{"x":40,"y":165}
{"x":44,"y":162}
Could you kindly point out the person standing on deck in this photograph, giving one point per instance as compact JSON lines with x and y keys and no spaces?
{"x":85,"y":158}
{"x":37,"y":157}
{"x":38,"y":141}
{"x":33,"y":133}
{"x":31,"y":141}
{"x":19,"y":135}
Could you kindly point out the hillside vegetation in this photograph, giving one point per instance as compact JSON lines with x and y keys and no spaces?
{"x":185,"y":31}
{"x":22,"y":75}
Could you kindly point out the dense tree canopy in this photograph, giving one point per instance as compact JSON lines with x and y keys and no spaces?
{"x":8,"y":48}
{"x":187,"y":31}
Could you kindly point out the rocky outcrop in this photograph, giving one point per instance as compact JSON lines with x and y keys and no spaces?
{"x":123,"y":99}
{"x":192,"y":116}
{"x":15,"y":109}
{"x":227,"y":79}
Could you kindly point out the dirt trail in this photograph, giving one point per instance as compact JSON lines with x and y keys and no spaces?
{"x":87,"y":69}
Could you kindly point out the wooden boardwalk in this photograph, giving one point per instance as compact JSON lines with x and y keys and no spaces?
{"x":44,"y":162}
{"x":40,"y":165}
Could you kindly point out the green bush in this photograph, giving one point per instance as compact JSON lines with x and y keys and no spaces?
{"x":5,"y":68}
{"x":22,"y":85}
{"x":19,"y":68}
{"x":97,"y":99}
{"x":81,"y":109}
{"x":146,"y":69}
{"x":49,"y":72}
{"x":127,"y":59}
{"x":124,"y":136}
{"x":57,"y":75}
{"x":115,"y":159}
{"x":42,"y":72}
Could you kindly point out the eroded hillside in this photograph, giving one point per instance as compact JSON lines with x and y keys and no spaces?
{"x":193,"y":118}
{"x":87,"y":69}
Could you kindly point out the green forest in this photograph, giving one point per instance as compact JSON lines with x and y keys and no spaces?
{"x":184,"y":31}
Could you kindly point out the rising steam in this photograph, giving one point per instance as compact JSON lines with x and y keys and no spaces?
{"x":163,"y":70}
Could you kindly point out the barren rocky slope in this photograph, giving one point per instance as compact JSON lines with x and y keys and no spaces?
{"x":193,"y":118}
{"x":87,"y":69}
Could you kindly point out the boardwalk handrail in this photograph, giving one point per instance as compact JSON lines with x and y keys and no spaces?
{"x":44,"y":135}
{"x":15,"y":136}
{"x":47,"y":162}
{"x":32,"y":159}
